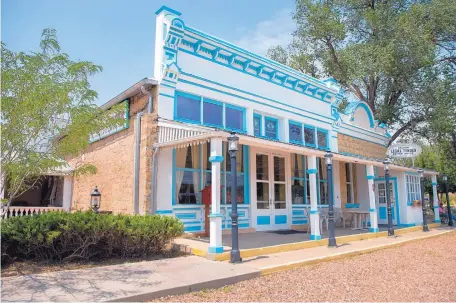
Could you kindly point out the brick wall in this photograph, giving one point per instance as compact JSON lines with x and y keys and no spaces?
{"x":348,"y":144}
{"x":114,"y":159}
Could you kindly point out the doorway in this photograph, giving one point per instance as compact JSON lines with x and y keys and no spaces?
{"x":380,"y":201}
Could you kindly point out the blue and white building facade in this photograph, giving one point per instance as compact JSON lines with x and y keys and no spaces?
{"x":286,"y":122}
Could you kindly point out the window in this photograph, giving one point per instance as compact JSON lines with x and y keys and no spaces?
{"x":295,"y":131}
{"x":322,"y":138}
{"x":188,"y":175}
{"x":234,"y":117}
{"x":193,"y":173}
{"x":257,"y":125}
{"x":322,"y":182}
{"x":271,"y":128}
{"x":349,"y":182}
{"x":188,"y":107}
{"x":212,"y":113}
{"x":309,"y":135}
{"x":413,"y":188}
{"x":300,"y":191}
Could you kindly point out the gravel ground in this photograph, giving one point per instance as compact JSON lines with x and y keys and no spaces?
{"x":418,"y":271}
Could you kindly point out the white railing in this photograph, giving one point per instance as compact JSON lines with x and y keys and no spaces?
{"x":18,"y":211}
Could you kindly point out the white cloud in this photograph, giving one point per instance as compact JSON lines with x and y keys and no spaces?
{"x":267,"y":33}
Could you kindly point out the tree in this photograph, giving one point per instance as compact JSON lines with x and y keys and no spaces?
{"x":47,"y":113}
{"x":379,"y":50}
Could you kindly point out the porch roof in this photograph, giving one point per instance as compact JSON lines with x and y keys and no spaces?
{"x":174,"y":134}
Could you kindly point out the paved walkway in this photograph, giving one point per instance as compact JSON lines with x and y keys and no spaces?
{"x":148,"y":280}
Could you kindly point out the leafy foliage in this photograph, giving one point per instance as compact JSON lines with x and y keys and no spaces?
{"x":48,"y":112}
{"x":386,"y":52}
{"x":65,"y":237}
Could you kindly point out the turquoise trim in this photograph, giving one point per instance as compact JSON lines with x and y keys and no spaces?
{"x":312,"y":171}
{"x":276,"y":122}
{"x":313,"y":211}
{"x":321,"y":130}
{"x":313,"y":129}
{"x":258,"y":116}
{"x":167,"y":85}
{"x":251,"y":100}
{"x":299,"y":222}
{"x":315,"y":237}
{"x":216,"y":216}
{"x":185,"y":215}
{"x":192,"y":228}
{"x":436,"y":206}
{"x":382,"y":213}
{"x":259,"y":96}
{"x":407,"y":224}
{"x":351,"y":205}
{"x":242,"y":109}
{"x":301,"y":141}
{"x":372,"y":210}
{"x":218,"y":103}
{"x":374,"y":229}
{"x":280,"y":219}
{"x":165,"y":8}
{"x":197,"y":208}
{"x":166,"y":95}
{"x":189,"y":96}
{"x":370,"y":177}
{"x":437,"y":221}
{"x":164,"y":211}
{"x":215,"y":159}
{"x":434,"y":183}
{"x":263,"y":220}
{"x":173,"y":179}
{"x":215,"y":250}
{"x":246,"y":174}
{"x":368,"y":111}
{"x":396,"y":195}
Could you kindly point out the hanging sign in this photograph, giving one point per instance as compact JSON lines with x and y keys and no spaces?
{"x":404,"y":150}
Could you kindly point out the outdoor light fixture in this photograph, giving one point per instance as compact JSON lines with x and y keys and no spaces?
{"x":386,"y":163}
{"x":450,"y":217}
{"x":332,"y":237}
{"x":423,"y":205}
{"x":95,"y":200}
{"x":235,"y":255}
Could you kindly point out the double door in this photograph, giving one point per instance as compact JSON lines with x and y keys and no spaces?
{"x":380,"y":200}
{"x":271,"y":207}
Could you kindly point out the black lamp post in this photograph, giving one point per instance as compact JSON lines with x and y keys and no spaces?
{"x":386,"y":163}
{"x":450,"y":217}
{"x":332,"y":238}
{"x":95,"y":200}
{"x":235,"y":256}
{"x":423,"y":205}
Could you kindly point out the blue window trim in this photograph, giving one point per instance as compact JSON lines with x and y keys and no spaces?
{"x":314,"y":129}
{"x":207,"y":100}
{"x":305,"y":179}
{"x":190,"y":96}
{"x":276,"y":121}
{"x":327,"y":141}
{"x":290,"y":122}
{"x":261,"y":122}
{"x":242,"y":109}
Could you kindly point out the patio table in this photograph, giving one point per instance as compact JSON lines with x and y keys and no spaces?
{"x":358,"y":217}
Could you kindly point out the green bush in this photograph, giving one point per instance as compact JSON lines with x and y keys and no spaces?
{"x":64,"y":237}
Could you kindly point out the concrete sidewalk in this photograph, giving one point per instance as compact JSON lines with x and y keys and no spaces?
{"x":127,"y":282}
{"x":149,"y":280}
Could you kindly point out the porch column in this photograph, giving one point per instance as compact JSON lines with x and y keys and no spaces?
{"x":435,"y":199}
{"x":215,"y":243}
{"x":372,"y":208}
{"x":314,"y":215}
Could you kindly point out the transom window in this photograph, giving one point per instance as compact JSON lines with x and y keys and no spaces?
{"x":204,"y":111}
{"x":257,"y":121}
{"x":308,"y":135}
{"x":264,"y":126}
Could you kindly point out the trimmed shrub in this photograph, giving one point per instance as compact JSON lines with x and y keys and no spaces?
{"x":65,"y":237}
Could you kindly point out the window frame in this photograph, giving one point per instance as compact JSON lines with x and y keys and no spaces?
{"x":210,"y":101}
{"x":325,"y":131}
{"x":350,"y":182}
{"x":255,"y":115}
{"x":276,"y":121}
{"x":241,"y":109}
{"x":314,"y":130}
{"x":290,"y":122}
{"x":190,"y":96}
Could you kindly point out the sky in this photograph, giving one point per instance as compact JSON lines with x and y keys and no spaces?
{"x":119,"y":34}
